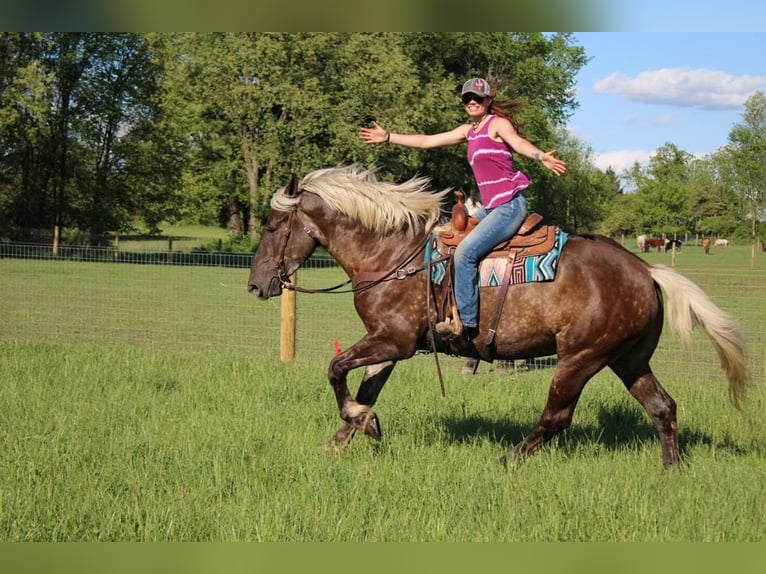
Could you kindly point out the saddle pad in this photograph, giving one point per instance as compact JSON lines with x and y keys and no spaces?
{"x":491,"y":270}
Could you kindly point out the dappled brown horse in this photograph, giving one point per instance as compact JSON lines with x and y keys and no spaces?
{"x":604,"y":309}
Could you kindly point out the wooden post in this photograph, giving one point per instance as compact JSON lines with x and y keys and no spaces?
{"x":752,"y":256}
{"x":287,"y":324}
{"x":673,"y":251}
{"x":116,"y":245}
{"x":56,"y":237}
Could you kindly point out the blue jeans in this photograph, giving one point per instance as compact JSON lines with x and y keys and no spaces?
{"x":495,"y":226}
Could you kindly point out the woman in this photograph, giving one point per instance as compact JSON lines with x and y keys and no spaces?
{"x":492,"y":138}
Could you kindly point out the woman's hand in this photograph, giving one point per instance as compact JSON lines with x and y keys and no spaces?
{"x":553,"y":163}
{"x":376,"y":134}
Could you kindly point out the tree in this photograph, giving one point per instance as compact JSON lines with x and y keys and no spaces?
{"x":661,"y":201}
{"x":713,"y":203}
{"x":747,"y":149}
{"x":70,"y":115}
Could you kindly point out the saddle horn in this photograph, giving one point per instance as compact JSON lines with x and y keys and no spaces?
{"x":459,"y":212}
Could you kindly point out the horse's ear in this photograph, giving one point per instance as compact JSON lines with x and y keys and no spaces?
{"x":292,"y":186}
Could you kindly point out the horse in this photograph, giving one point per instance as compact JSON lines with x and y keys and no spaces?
{"x":378,"y":231}
{"x":655,"y":242}
{"x":641,"y":243}
{"x":672,"y":244}
{"x":706,"y":245}
{"x":721,"y":243}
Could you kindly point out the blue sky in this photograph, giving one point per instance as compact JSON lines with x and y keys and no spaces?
{"x":642,"y":90}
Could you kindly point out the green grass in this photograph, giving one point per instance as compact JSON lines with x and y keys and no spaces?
{"x":147,"y":403}
{"x":101,"y":443}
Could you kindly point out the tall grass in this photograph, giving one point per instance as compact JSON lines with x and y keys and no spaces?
{"x":104,"y":443}
{"x":117,"y":424}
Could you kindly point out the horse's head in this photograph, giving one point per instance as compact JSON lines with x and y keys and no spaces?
{"x":285,"y":244}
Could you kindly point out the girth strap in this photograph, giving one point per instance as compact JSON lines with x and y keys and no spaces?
{"x":500,"y":300}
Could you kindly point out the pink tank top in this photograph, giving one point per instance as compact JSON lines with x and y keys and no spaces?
{"x":492,"y":164}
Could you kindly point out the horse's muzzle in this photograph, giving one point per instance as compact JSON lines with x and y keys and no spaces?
{"x":274,"y":289}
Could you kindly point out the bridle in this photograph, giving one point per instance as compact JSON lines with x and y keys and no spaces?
{"x":361,"y":281}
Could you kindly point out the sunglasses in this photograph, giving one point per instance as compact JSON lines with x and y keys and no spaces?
{"x":475,"y":97}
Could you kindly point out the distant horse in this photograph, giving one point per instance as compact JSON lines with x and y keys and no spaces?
{"x":641,"y":243}
{"x":706,"y":245}
{"x":656,"y":242}
{"x":604,"y":308}
{"x":671,"y":244}
{"x":721,"y":243}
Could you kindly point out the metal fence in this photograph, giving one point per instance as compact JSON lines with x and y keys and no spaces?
{"x":181,"y":300}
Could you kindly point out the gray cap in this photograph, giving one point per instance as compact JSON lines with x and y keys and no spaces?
{"x":478,"y":86}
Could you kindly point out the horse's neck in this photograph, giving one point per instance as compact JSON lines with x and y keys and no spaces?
{"x":366,"y":251}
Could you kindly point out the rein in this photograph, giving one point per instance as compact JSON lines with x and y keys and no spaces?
{"x":362,"y":281}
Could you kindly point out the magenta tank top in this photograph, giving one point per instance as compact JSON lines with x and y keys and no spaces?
{"x":492,"y":165}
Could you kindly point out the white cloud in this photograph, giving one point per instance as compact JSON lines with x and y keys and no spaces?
{"x":621,"y":160}
{"x":700,"y":88}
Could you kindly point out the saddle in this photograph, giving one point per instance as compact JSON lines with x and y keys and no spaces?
{"x":531,"y":239}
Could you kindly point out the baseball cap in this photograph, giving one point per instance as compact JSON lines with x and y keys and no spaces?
{"x":478,"y":86}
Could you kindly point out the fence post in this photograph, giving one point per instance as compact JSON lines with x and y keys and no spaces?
{"x":56,"y":236}
{"x":116,"y":245}
{"x":287,"y":323}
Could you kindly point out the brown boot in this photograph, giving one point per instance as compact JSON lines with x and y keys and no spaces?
{"x":448,"y":329}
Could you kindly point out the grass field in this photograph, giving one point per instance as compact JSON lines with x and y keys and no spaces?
{"x":147,"y":403}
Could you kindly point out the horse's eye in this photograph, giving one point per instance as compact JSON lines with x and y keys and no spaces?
{"x":270,"y":229}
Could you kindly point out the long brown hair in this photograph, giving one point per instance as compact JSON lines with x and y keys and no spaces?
{"x":507,"y":108}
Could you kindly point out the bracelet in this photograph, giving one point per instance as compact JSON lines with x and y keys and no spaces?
{"x":388,"y":136}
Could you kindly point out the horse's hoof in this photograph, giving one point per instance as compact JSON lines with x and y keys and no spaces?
{"x":372,"y":427}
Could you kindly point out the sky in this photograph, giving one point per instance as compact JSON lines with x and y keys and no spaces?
{"x":642,"y":90}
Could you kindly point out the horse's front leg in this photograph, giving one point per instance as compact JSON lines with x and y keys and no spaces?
{"x":379,"y":357}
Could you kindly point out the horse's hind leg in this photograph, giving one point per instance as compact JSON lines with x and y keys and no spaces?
{"x":568,"y":382}
{"x":647,"y":390}
{"x":375,"y":377}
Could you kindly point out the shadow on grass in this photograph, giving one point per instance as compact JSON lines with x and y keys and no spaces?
{"x":618,"y":427}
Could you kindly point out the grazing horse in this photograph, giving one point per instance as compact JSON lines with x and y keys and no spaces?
{"x":706,"y":245}
{"x":656,"y":242}
{"x":721,"y":243}
{"x":604,"y":308}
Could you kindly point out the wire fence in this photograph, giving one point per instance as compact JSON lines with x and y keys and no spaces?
{"x":174,"y":301}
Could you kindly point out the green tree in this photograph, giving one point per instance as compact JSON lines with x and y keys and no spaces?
{"x":661,"y":202}
{"x":70,"y":115}
{"x":713,"y":203}
{"x":747,"y":149}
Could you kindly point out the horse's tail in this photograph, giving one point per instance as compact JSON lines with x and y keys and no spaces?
{"x":687,"y":306}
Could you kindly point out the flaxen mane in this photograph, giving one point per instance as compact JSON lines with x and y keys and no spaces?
{"x":380,"y":206}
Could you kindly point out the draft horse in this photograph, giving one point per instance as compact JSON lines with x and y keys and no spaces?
{"x":604,"y":308}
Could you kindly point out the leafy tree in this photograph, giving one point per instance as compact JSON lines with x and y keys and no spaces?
{"x":68,"y":120}
{"x":747,"y":149}
{"x":712,"y":201}
{"x":661,"y":201}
